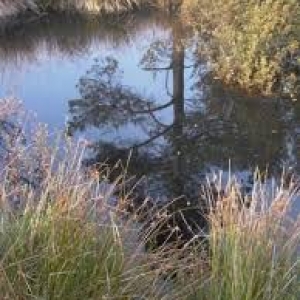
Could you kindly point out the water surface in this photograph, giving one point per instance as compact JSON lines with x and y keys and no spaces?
{"x":136,"y":87}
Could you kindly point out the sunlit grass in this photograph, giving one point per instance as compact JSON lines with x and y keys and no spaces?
{"x":253,"y":247}
{"x":61,"y":236}
{"x":17,"y":7}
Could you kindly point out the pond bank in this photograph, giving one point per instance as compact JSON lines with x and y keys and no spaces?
{"x":14,"y":12}
{"x":245,"y":50}
{"x":60,"y":241}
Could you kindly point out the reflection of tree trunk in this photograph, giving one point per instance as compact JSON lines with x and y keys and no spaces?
{"x":184,"y":217}
{"x":178,"y":110}
{"x":228,"y":110}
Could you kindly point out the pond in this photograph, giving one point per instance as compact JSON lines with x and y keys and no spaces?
{"x":135,"y":87}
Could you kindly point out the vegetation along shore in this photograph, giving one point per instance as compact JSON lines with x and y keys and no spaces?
{"x":74,"y":226}
{"x":62,"y":236}
{"x":254,"y":45}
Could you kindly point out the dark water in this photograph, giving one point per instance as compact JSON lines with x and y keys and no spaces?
{"x":135,"y":86}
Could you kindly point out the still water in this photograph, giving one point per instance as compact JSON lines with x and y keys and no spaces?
{"x":136,"y":86}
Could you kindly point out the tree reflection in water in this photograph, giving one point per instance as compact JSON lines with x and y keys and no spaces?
{"x":208,"y":130}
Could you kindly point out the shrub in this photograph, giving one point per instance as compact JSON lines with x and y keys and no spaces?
{"x":254,"y":44}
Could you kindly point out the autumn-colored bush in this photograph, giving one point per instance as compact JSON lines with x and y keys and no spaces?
{"x":254,"y":44}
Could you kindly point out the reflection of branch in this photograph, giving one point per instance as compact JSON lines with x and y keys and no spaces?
{"x":170,"y":67}
{"x":151,"y":110}
{"x":156,"y":120}
{"x":167,"y":85}
{"x":211,"y":130}
{"x":228,"y":109}
{"x":189,"y":66}
{"x":152,"y":138}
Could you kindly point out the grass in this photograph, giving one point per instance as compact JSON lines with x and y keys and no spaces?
{"x":58,"y":257}
{"x":92,"y":6}
{"x":253,"y":247}
{"x":18,"y":7}
{"x":60,"y":235}
{"x":62,"y":238}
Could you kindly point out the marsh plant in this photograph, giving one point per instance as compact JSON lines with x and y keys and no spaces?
{"x":253,"y":244}
{"x":64,"y":233}
{"x":18,"y":7}
{"x":61,"y":235}
{"x":94,"y":6}
{"x":254,"y":44}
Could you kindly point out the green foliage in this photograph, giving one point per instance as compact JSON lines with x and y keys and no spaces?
{"x":67,"y":247}
{"x":60,"y":238}
{"x":250,"y":43}
{"x":58,"y":258}
{"x":65,"y":242}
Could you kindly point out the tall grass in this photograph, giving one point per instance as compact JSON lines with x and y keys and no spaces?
{"x":17,"y":7}
{"x":63,"y":237}
{"x":94,"y":6}
{"x":253,"y":246}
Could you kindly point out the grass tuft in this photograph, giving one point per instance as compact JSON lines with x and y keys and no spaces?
{"x":62,"y":236}
{"x":253,"y":246}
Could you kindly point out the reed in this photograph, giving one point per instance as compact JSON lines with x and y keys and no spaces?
{"x":253,"y":245}
{"x":18,"y":7}
{"x":62,"y":235}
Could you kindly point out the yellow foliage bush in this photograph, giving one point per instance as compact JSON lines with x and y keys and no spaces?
{"x":248,"y":41}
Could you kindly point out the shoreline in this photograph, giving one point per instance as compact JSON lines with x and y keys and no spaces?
{"x":27,"y":11}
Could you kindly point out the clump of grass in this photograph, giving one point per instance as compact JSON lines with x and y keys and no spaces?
{"x":94,"y":6}
{"x":50,"y":255}
{"x":14,"y":7}
{"x":252,"y":246}
{"x":61,"y":236}
{"x":67,"y":242}
{"x":17,"y":7}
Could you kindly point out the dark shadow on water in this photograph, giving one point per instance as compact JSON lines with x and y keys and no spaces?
{"x":214,"y":125}
{"x":73,"y":35}
{"x":173,"y":136}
